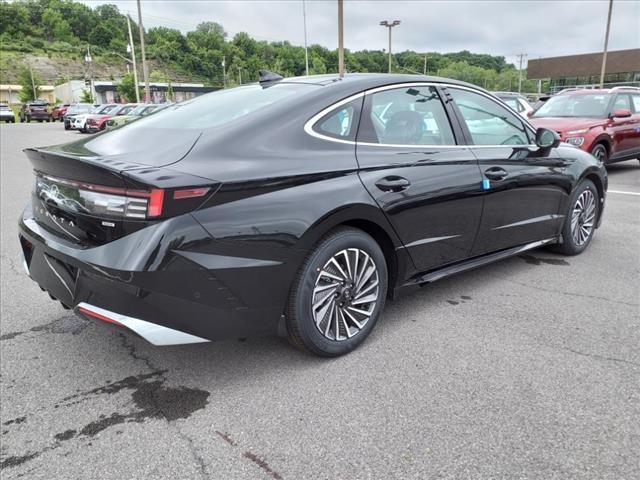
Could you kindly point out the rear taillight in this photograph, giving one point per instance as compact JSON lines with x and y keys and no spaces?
{"x":117,"y":202}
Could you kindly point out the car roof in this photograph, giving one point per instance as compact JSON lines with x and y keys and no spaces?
{"x":371,"y":80}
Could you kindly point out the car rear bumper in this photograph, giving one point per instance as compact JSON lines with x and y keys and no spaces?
{"x":180,"y":302}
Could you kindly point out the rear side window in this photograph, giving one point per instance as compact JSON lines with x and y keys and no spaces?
{"x":406,"y":116}
{"x":340,"y":123}
{"x":488,"y":122}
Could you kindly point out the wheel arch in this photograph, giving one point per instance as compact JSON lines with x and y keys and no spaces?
{"x":372,"y":221}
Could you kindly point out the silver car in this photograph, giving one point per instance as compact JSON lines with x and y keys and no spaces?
{"x":6,"y":114}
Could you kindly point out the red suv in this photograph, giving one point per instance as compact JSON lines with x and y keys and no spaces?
{"x":605,"y":122}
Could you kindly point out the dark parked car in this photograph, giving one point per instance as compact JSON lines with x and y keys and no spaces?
{"x":298,"y":206}
{"x":36,"y":110}
{"x":605,"y":122}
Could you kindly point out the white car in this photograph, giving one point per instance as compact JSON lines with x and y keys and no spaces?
{"x":6,"y":114}
{"x":517,"y":102}
{"x":79,"y":122}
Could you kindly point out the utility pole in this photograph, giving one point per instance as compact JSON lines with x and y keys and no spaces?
{"x":89,"y":60}
{"x":33,"y":84}
{"x":239,"y":75}
{"x":425,"y":64}
{"x":390,"y":25}
{"x":132,"y":50}
{"x":306,"y":51}
{"x":340,"y":40}
{"x":521,"y":57}
{"x":224,"y":71}
{"x":606,"y":45}
{"x":145,"y":69}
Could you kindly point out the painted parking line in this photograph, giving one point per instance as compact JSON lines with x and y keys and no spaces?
{"x":620,"y":192}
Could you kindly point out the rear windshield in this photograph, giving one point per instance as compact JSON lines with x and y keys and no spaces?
{"x":220,"y":107}
{"x":577,"y":105}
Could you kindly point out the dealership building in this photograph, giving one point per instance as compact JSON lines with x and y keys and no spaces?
{"x":623,"y":68}
{"x":107,"y":91}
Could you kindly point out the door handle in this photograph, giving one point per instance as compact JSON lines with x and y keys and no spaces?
{"x":393,"y":184}
{"x":495,"y":173}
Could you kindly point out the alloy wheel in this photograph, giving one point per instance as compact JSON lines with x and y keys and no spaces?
{"x":583,"y":217}
{"x":600,"y":153}
{"x":345,"y":294}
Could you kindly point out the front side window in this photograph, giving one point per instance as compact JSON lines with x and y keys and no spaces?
{"x":622,"y":103}
{"x":488,"y":122}
{"x":406,"y":116}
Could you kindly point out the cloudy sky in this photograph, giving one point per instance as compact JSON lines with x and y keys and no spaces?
{"x":500,"y":27}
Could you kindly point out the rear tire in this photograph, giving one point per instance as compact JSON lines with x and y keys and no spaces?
{"x":338,"y":294}
{"x":580,"y":220}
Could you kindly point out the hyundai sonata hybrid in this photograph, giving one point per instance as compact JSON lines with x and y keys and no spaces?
{"x":298,"y":206}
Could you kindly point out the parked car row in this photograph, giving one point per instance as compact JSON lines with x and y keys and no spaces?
{"x":87,"y":118}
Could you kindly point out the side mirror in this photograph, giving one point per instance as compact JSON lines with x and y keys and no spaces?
{"x":621,"y":113}
{"x":530,"y":113}
{"x":546,"y":138}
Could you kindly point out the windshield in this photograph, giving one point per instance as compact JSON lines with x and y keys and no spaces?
{"x":220,"y":107}
{"x":580,"y":105}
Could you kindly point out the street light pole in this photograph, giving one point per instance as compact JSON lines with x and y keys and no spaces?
{"x":340,"y":40}
{"x":390,"y":25}
{"x":224,"y":71}
{"x":521,"y":57}
{"x":131,"y":49}
{"x":306,"y":51}
{"x":606,"y":45}
{"x":145,"y":69}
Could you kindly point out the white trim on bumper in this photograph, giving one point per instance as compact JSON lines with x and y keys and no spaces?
{"x":153,"y":333}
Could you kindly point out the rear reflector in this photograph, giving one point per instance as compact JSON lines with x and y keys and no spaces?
{"x":91,"y":314}
{"x":190,"y":193}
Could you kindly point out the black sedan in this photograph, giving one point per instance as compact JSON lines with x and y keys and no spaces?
{"x":298,"y":206}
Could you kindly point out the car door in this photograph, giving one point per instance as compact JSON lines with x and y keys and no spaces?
{"x":428,"y":186}
{"x":524,"y":185}
{"x":625,"y":130}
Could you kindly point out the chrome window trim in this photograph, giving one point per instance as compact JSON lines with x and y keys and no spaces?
{"x":308,"y":126}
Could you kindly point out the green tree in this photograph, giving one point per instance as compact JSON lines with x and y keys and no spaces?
{"x":55,"y":27}
{"x":127,"y":88}
{"x":30,"y":83}
{"x":86,"y":96}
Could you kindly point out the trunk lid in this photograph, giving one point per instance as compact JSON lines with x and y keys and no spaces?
{"x":88,"y":198}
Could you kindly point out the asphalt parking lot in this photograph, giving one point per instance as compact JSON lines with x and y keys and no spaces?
{"x":526,"y":369}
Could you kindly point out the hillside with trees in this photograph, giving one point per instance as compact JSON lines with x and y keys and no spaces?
{"x":51,"y":37}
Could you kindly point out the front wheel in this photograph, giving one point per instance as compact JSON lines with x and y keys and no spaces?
{"x":600,"y":152}
{"x":338,"y":294}
{"x":580,"y":221}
